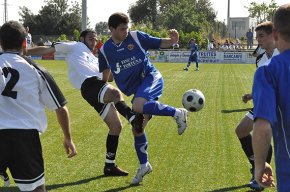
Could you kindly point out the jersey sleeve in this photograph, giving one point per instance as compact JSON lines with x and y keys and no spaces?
{"x":264,"y":95}
{"x":64,"y":47}
{"x":147,"y":41}
{"x":51,"y":95}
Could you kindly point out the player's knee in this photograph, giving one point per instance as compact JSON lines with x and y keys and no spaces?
{"x":117,"y":95}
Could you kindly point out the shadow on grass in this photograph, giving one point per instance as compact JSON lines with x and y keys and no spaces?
{"x":235,"y":110}
{"x":122,"y":188}
{"x":56,"y":186}
{"x":229,"y":188}
{"x":9,"y":189}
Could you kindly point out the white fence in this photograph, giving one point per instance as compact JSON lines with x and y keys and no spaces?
{"x":174,"y":56}
{"x":204,"y":56}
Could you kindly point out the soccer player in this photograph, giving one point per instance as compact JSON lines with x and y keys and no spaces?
{"x":193,"y":57}
{"x":84,"y":75}
{"x":272,"y":108}
{"x":24,"y":93}
{"x":264,"y":36}
{"x":125,"y":57}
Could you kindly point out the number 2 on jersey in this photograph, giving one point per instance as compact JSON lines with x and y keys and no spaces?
{"x":11,"y":83}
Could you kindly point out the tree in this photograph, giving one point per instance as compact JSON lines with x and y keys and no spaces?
{"x":262,"y":12}
{"x":102,"y":28}
{"x":145,"y":12}
{"x":56,"y":17}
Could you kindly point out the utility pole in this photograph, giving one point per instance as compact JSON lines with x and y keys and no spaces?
{"x":84,"y":14}
{"x":5,"y":11}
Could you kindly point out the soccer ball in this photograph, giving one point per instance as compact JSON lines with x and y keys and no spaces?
{"x":193,"y":100}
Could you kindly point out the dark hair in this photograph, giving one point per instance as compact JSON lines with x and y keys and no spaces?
{"x":12,"y":35}
{"x":265,"y":26}
{"x":85,"y":32}
{"x":117,"y":18}
{"x":282,"y":21}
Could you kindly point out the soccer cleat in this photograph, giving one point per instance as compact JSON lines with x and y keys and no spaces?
{"x":114,"y":171}
{"x":5,"y":177}
{"x":137,"y":123}
{"x":141,"y":172}
{"x":253,"y":183}
{"x":196,"y":69}
{"x":186,"y":69}
{"x":181,"y":120}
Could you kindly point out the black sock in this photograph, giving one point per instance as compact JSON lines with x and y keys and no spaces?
{"x":112,"y":145}
{"x":124,"y":110}
{"x":269,"y":156}
{"x":248,"y":148}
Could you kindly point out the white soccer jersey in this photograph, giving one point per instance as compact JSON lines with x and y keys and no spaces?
{"x":266,"y":59}
{"x":24,"y":94}
{"x":82,"y":64}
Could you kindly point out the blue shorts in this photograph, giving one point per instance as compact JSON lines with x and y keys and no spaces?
{"x":282,"y":173}
{"x":151,"y":87}
{"x":193,"y":58}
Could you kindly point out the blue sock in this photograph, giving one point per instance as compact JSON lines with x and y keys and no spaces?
{"x":157,"y":108}
{"x":141,"y":146}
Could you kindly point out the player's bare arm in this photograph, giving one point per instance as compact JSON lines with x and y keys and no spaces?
{"x":40,"y":50}
{"x":173,"y":38}
{"x":107,"y":75}
{"x":262,"y":134}
{"x":64,"y":121}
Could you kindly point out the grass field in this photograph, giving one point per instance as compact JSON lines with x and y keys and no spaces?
{"x":207,"y":157}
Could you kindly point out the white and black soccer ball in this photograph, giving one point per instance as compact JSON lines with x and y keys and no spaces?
{"x":193,"y":100}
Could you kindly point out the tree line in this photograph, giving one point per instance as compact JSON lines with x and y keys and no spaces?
{"x":192,"y":18}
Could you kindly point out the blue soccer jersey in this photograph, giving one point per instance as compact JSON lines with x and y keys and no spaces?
{"x":128,"y":61}
{"x":271,"y":100}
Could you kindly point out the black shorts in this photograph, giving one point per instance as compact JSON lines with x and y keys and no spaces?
{"x":20,"y":151}
{"x":92,"y":91}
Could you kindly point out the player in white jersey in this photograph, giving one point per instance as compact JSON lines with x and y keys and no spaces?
{"x":25,"y":92}
{"x":84,"y":74}
{"x":243,"y":130}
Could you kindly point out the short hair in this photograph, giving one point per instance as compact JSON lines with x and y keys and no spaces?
{"x":117,"y":18}
{"x":282,"y":21}
{"x":86,"y":32}
{"x":265,"y":26}
{"x":12,"y":35}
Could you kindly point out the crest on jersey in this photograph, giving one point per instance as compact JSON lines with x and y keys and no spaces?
{"x":130,"y":47}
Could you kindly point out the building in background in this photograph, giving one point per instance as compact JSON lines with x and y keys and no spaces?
{"x":238,"y":26}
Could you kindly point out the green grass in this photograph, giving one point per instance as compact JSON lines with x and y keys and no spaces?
{"x":207,"y":157}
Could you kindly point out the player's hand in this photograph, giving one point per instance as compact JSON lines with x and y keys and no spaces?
{"x":69,"y":147}
{"x":246,"y":97}
{"x":265,"y":176}
{"x":174,"y":35}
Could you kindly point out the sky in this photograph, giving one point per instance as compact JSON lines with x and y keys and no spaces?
{"x":100,"y":10}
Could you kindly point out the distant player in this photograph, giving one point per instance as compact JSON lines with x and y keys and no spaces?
{"x":193,"y":57}
{"x":265,"y":39}
{"x":125,"y":57}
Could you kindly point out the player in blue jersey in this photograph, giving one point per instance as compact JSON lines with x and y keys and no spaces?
{"x":265,"y":39}
{"x":193,"y":57}
{"x":125,"y":57}
{"x":272,"y":108}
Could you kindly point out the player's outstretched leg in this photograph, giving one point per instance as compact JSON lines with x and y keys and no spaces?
{"x":160,"y":109}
